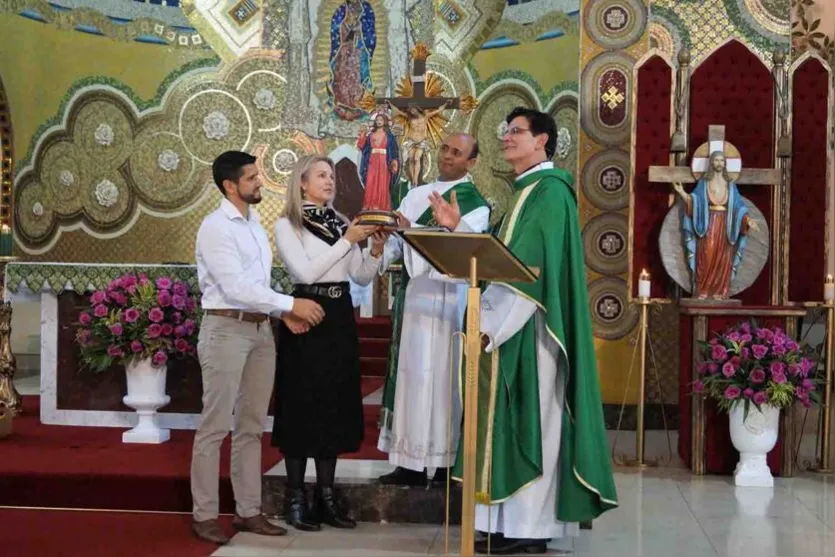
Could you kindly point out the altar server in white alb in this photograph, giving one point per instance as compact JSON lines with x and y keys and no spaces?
{"x":428,"y":309}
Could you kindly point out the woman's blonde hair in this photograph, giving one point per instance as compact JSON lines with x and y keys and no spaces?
{"x":293,"y":201}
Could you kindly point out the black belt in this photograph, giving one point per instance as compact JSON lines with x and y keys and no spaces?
{"x":333,"y":290}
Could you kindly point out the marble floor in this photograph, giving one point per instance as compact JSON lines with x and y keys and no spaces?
{"x":663,"y":512}
{"x":28,"y":384}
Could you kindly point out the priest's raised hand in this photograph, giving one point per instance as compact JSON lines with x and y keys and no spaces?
{"x":446,"y":214}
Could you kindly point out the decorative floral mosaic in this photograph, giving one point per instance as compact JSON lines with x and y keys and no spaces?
{"x":703,"y":25}
{"x":808,"y":30}
{"x":58,"y":278}
{"x":112,"y":162}
{"x":108,"y":157}
{"x":614,"y":35}
{"x":125,"y":24}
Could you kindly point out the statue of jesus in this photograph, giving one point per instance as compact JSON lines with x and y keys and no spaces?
{"x":416,"y":145}
{"x":379,"y":162}
{"x":715,"y":226}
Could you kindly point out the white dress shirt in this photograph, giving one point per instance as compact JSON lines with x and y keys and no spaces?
{"x":310,"y":260}
{"x":234,"y":263}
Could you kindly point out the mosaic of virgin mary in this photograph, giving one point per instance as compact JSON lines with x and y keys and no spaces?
{"x":353,"y":40}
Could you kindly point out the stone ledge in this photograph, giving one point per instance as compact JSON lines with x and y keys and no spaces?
{"x":369,"y":501}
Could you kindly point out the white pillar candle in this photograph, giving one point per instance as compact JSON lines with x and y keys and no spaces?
{"x":829,"y":289}
{"x":644,"y":285}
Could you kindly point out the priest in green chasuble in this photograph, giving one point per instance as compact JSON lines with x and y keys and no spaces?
{"x":428,"y":309}
{"x":543,"y":434}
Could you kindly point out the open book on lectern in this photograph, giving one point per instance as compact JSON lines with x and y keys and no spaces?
{"x":450,"y":253}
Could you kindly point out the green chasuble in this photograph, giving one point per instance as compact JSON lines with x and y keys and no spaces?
{"x":542,"y":230}
{"x":469,"y":199}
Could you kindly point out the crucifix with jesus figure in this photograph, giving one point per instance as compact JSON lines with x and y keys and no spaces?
{"x":420,"y":105}
{"x":715,"y":242}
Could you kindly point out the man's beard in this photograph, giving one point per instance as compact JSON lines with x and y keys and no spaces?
{"x":251,"y":198}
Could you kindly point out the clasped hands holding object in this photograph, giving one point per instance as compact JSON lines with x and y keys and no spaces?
{"x":307,"y":313}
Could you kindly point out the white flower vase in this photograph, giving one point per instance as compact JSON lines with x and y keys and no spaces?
{"x":146,"y":393}
{"x":754,"y":437}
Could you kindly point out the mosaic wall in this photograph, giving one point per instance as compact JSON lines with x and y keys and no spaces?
{"x":614,"y":35}
{"x":106,"y":172}
{"x":113,"y":135}
{"x":703,"y":25}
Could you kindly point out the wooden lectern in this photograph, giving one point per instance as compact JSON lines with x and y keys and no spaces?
{"x":473,"y":257}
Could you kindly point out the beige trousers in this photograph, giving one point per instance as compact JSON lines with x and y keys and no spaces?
{"x":238,"y":368}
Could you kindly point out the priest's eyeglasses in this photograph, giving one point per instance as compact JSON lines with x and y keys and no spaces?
{"x":515,"y":131}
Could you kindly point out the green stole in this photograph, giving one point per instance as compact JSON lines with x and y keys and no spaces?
{"x":469,"y":199}
{"x":542,"y":230}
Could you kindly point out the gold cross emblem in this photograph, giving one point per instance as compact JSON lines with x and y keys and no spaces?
{"x":613,"y":97}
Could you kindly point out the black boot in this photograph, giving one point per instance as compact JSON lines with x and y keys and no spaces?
{"x":441,"y":476}
{"x":499,"y":545}
{"x":404,"y":476}
{"x":329,"y":512}
{"x":298,"y":514}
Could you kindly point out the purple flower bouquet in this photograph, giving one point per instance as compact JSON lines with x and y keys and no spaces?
{"x":756,"y":365}
{"x":136,"y":318}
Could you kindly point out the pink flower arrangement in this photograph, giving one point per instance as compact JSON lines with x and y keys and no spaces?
{"x":756,"y":365}
{"x":135,"y":317}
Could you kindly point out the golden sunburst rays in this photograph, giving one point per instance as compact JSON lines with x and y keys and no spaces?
{"x":468,"y":103}
{"x":436,"y":123}
{"x":368,"y":103}
{"x":420,"y":52}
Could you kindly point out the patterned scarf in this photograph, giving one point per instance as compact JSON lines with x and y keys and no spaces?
{"x":324,"y":223}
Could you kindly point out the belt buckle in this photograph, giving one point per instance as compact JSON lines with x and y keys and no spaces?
{"x":334,"y":291}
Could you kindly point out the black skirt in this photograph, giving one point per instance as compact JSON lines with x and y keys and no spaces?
{"x":318,"y":398}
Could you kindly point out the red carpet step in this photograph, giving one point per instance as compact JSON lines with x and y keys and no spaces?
{"x":90,"y":467}
{"x":375,"y":337}
{"x":374,"y":327}
{"x":53,"y":533}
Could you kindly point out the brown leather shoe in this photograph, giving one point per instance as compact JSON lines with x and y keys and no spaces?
{"x":257,"y":524}
{"x":210,"y":531}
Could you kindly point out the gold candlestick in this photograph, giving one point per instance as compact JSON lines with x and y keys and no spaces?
{"x":640,"y":460}
{"x":8,"y":364}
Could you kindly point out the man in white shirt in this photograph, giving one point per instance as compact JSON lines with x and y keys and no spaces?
{"x":429,"y":308}
{"x":236,"y":347}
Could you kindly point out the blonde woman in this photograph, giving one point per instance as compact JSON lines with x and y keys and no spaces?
{"x":318,"y":402}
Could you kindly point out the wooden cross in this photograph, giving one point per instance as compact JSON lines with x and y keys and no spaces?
{"x":418,"y":98}
{"x":716,"y":139}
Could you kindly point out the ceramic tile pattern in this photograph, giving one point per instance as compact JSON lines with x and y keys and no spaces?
{"x":662,"y":512}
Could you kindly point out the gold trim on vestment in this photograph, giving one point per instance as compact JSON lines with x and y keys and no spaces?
{"x":717,"y":208}
{"x":511,"y":223}
{"x":566,"y":406}
{"x":483,"y":494}
{"x":491,"y":416}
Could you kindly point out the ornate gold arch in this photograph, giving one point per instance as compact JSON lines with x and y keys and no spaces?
{"x":6,"y":158}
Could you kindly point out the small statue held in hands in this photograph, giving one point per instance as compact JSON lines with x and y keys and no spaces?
{"x":379,"y":161}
